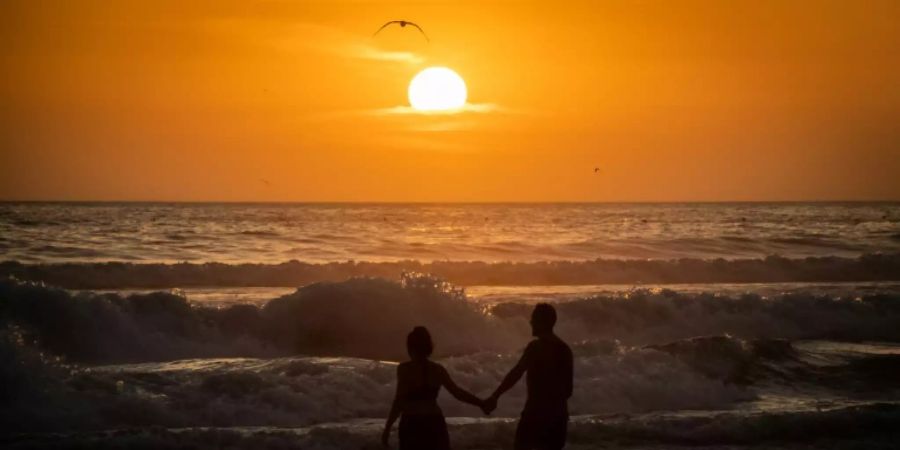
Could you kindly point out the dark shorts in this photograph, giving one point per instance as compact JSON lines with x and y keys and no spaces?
{"x":424,"y":432}
{"x":541,"y":432}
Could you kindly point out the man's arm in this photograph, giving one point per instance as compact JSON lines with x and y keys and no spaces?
{"x":510,"y":379}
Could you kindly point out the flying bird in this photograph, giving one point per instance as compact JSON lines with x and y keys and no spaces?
{"x":403,"y":23}
{"x":596,"y":170}
{"x":264,"y":181}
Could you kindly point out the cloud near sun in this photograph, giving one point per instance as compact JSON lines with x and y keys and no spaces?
{"x":434,"y":91}
{"x":340,"y":43}
{"x":293,"y":37}
{"x":432,"y":96}
{"x":438,"y":90}
{"x":478,"y":108}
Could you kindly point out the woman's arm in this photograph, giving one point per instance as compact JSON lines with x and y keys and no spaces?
{"x":395,"y":411}
{"x":456,"y":391}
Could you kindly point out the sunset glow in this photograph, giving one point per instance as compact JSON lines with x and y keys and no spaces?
{"x":342,"y":224}
{"x":697,"y":101}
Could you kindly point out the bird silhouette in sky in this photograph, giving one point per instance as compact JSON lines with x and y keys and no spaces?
{"x":264,"y":181}
{"x":403,"y":24}
{"x":596,"y":170}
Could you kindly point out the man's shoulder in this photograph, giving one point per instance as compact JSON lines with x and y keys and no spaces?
{"x":551,"y":344}
{"x":534,"y":345}
{"x":530,"y":349}
{"x":559,"y":345}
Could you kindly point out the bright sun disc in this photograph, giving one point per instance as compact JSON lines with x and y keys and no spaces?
{"x":437,"y":89}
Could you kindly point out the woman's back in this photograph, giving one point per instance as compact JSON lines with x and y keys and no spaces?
{"x":419,"y":382}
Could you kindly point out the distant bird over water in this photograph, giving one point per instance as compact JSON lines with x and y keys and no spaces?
{"x":403,"y":24}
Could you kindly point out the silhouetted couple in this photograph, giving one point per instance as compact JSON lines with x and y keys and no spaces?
{"x":546,"y":361}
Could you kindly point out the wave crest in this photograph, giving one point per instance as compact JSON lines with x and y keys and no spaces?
{"x":369,"y":318}
{"x":113,"y":275}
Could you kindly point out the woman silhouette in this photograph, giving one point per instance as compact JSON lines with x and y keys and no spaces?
{"x":422,"y":425}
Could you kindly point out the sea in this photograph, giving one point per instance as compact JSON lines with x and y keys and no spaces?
{"x":280,"y":325}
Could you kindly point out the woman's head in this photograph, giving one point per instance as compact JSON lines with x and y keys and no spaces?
{"x":418,"y":343}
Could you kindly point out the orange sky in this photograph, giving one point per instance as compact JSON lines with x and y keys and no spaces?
{"x":674,"y":100}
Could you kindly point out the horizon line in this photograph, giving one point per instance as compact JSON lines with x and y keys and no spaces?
{"x":447,"y":202}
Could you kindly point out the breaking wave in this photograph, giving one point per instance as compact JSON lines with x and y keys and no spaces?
{"x":369,"y":317}
{"x":650,"y":316}
{"x":298,"y":391}
{"x":322,"y":353}
{"x":362,"y":317}
{"x":629,"y":394}
{"x":112,"y":275}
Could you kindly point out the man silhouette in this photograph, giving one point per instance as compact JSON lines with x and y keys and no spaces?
{"x":547,"y":361}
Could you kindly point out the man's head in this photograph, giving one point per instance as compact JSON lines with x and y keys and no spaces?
{"x":542,"y":319}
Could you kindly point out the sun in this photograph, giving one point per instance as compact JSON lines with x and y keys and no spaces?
{"x":437,"y":89}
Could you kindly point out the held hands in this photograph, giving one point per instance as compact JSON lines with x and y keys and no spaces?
{"x":488,"y":405}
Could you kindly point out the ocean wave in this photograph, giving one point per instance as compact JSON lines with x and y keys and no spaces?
{"x":613,"y":376}
{"x":109,"y":327}
{"x":298,"y":391}
{"x":364,"y":317}
{"x":111,"y":275}
{"x":652,"y":316}
{"x":868,"y":371}
{"x":634,"y":353}
{"x":369,"y":317}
